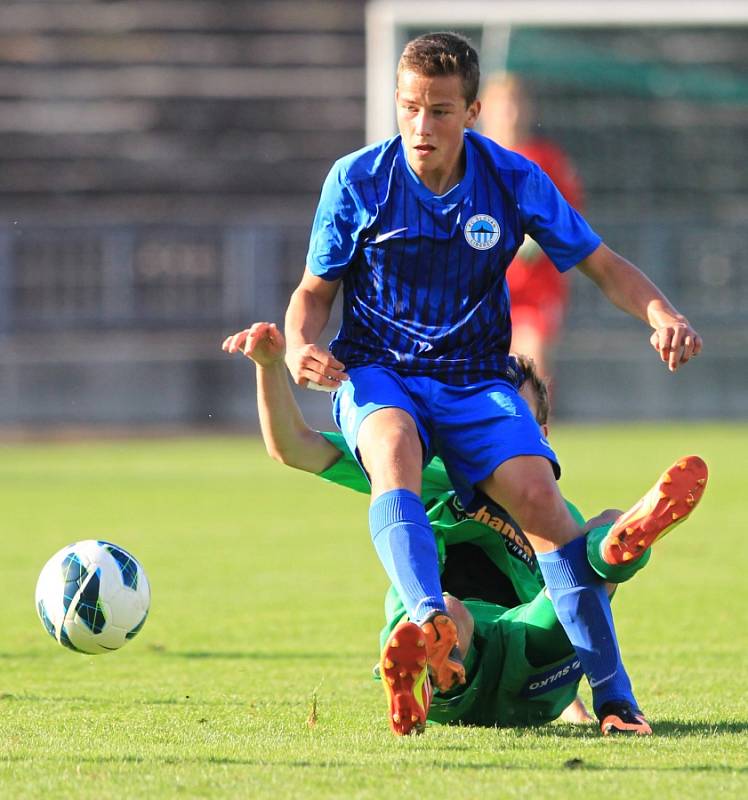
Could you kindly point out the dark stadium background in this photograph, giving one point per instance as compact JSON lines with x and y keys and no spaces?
{"x":160,"y":163}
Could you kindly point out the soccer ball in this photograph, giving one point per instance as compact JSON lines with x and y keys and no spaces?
{"x":92,"y":597}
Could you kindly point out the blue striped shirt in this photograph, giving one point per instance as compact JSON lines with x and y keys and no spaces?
{"x":423,"y":275}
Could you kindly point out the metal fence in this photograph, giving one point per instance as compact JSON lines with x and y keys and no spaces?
{"x":141,"y":277}
{"x":123,"y":324}
{"x":144,"y":277}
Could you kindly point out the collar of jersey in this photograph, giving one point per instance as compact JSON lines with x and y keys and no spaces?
{"x":456,"y":193}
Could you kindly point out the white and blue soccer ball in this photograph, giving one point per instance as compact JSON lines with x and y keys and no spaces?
{"x":92,"y":597}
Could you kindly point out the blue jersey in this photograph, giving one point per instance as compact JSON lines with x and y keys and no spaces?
{"x":423,"y":275}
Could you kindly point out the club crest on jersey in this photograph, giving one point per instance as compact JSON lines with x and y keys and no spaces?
{"x":482,"y":231}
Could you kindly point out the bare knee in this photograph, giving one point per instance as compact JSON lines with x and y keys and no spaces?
{"x":544,"y":516}
{"x":464,"y":621}
{"x":391,"y":450}
{"x":537,"y":500}
{"x":534,"y":503}
{"x":526,"y":487}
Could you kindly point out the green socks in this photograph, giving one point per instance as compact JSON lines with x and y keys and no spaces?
{"x":614,"y":573}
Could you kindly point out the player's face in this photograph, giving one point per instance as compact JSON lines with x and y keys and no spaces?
{"x":432,"y":115}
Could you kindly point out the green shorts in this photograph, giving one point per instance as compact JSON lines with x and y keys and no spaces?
{"x":503,"y":688}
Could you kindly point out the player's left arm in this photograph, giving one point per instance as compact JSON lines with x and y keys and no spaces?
{"x":632,"y":291}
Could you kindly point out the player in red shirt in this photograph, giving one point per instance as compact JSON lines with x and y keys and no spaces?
{"x":539,"y":292}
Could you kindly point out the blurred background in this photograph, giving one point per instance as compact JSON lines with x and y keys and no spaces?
{"x":160,"y":163}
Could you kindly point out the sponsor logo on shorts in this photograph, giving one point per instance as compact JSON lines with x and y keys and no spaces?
{"x":482,"y":232}
{"x":569,"y":672}
{"x":504,"y":402}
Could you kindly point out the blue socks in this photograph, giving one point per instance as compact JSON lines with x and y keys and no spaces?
{"x":406,"y":547}
{"x":583,"y":608}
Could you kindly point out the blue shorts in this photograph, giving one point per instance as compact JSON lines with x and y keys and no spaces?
{"x":474,"y":428}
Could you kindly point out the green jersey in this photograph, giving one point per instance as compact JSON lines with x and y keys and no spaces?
{"x":503,"y":688}
{"x":486,"y":561}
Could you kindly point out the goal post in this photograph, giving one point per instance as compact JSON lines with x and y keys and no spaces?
{"x":492,"y":25}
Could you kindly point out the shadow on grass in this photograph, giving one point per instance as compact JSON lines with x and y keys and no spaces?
{"x":28,"y":656}
{"x":222,"y":655}
{"x":682,"y":727}
{"x":676,"y":728}
{"x":549,"y":766}
{"x":260,"y":655}
{"x":671,"y":728}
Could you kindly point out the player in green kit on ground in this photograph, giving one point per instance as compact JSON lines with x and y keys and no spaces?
{"x":520,"y":667}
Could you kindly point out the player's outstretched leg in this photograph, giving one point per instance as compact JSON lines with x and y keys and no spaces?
{"x":404,"y":672}
{"x":673,"y":497}
{"x":445,"y":661}
{"x":619,"y":717}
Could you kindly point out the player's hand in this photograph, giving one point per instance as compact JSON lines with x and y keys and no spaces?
{"x":676,"y":343}
{"x":263,"y":343}
{"x":313,"y":365}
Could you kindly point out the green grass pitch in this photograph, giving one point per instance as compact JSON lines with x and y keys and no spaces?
{"x":267,"y":598}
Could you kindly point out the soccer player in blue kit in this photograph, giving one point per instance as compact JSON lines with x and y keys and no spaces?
{"x":420,"y":229}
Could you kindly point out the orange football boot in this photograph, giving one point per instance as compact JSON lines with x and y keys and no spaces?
{"x":667,"y":504}
{"x":445,"y":662}
{"x":621,"y":718}
{"x":404,"y":671}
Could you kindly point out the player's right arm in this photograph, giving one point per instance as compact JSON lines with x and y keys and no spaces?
{"x":339,"y":221}
{"x":307,"y":314}
{"x":287,"y":437}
